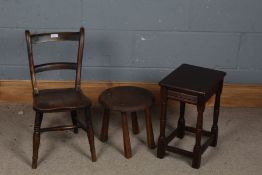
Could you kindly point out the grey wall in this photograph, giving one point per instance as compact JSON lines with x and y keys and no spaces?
{"x":138,"y":40}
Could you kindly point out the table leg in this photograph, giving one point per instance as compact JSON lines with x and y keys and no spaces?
{"x":181,"y":121}
{"x":214,"y":129}
{"x":199,"y":126}
{"x":161,"y":141}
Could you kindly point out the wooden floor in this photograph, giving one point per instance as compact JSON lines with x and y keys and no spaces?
{"x":234,"y":95}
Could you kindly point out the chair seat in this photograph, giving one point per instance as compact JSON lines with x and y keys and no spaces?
{"x":50,"y":100}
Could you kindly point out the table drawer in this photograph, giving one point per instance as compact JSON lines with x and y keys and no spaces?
{"x":182,"y":97}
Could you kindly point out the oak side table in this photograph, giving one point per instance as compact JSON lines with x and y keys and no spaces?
{"x":194,"y":85}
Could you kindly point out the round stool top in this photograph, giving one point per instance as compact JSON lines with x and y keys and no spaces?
{"x":126,"y":98}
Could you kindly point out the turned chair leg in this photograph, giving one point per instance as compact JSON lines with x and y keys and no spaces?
{"x":135,"y":126}
{"x":74,"y":121}
{"x":181,"y":121}
{"x":149,"y":129}
{"x":36,"y":138}
{"x":105,"y":125}
{"x":90,"y":133}
{"x":127,"y":145}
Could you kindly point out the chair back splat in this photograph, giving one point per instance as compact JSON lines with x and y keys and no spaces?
{"x":32,"y":39}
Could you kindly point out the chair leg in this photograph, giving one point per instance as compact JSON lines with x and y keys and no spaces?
{"x":90,"y":133}
{"x":149,"y":129}
{"x":74,"y":121}
{"x":36,"y":138}
{"x":181,"y":121}
{"x":135,"y":126}
{"x":105,"y":125}
{"x":127,"y":145}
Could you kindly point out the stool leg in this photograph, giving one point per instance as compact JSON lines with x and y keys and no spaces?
{"x":161,"y":148}
{"x":90,"y":133}
{"x":149,"y":129}
{"x":74,"y":121}
{"x":105,"y":124}
{"x":197,"y":148}
{"x":127,"y":145}
{"x":214,"y":129}
{"x":181,"y":121}
{"x":36,"y":138}
{"x":135,"y":126}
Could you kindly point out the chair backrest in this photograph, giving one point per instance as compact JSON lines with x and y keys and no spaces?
{"x":32,"y":39}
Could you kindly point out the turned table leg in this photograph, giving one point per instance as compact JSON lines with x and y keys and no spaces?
{"x":161,"y":140}
{"x":199,"y":126}
{"x":214,"y":129}
{"x":181,"y":121}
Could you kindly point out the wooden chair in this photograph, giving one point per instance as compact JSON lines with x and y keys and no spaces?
{"x":58,"y":100}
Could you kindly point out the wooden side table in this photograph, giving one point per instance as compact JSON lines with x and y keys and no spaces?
{"x":127,"y":99}
{"x":194,"y":85}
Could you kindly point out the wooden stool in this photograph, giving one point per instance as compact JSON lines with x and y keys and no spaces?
{"x":194,"y":85}
{"x":127,"y":99}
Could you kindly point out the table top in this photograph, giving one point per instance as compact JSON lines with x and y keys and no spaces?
{"x":126,"y":98}
{"x":194,"y":79}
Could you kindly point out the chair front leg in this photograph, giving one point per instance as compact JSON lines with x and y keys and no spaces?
{"x":90,"y":133}
{"x":36,"y":138}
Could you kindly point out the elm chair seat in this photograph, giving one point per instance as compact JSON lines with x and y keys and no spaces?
{"x":60,"y":100}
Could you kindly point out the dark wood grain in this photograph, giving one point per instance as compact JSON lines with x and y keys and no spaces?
{"x":183,"y":79}
{"x":126,"y":98}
